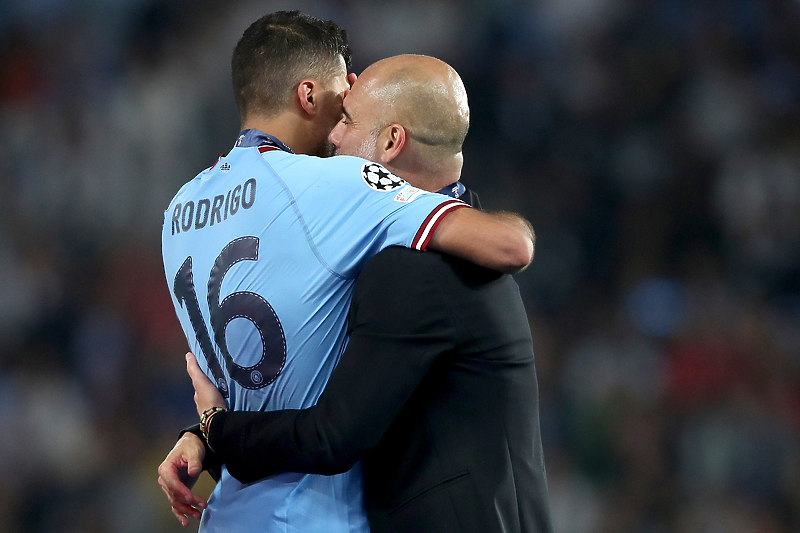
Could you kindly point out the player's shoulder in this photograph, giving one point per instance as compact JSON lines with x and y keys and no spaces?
{"x":187,"y":189}
{"x":355,"y":170}
{"x":344,"y":162}
{"x":338,"y":163}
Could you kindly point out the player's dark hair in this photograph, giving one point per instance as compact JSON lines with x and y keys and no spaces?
{"x":277,"y":52}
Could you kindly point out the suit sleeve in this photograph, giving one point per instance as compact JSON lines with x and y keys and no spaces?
{"x":399,"y":325}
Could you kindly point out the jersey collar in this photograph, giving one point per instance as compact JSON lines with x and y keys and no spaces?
{"x":456,"y":190}
{"x":251,"y":138}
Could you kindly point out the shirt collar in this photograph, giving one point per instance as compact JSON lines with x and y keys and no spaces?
{"x":251,"y":138}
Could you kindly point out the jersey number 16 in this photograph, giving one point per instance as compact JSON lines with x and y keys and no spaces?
{"x":240,"y":304}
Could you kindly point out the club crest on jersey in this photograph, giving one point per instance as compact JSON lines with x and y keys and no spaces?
{"x":380,"y":179}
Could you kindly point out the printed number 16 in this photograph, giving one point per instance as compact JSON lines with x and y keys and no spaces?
{"x":241,"y":304}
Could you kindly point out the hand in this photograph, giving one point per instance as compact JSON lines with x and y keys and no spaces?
{"x":206,"y":394}
{"x":178,"y":474}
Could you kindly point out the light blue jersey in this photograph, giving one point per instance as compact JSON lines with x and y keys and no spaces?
{"x":261,"y":252}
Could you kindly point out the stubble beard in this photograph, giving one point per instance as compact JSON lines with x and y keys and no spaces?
{"x":327,"y":149}
{"x":368,"y":148}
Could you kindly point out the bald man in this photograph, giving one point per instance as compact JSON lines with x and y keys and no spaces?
{"x":415,"y":107}
{"x":436,"y":391}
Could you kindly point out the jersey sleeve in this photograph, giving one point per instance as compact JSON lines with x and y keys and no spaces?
{"x":355,"y":208}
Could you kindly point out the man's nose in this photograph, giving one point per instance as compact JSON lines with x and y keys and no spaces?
{"x":336,"y":134}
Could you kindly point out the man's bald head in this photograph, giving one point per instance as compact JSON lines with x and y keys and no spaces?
{"x":423,"y":94}
{"x":409,"y":113}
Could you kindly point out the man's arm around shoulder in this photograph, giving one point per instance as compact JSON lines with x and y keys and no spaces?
{"x":501,"y":241}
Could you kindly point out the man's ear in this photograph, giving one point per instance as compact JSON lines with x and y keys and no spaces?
{"x":307,"y":96}
{"x":391,"y":142}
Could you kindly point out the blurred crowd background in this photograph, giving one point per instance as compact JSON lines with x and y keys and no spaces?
{"x":654,"y":145}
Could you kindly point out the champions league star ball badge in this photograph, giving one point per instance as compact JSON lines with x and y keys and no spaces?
{"x":379,"y":178}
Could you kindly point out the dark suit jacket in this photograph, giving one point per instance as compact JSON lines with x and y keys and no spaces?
{"x":436,"y":392}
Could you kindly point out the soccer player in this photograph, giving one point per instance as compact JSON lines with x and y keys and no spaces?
{"x":437,"y":387}
{"x":262,"y":249}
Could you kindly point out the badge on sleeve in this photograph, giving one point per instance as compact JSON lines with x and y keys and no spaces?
{"x":380,"y":179}
{"x":407,"y":194}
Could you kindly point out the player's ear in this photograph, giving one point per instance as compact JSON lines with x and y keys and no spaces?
{"x":391,"y":142}
{"x":307,"y":96}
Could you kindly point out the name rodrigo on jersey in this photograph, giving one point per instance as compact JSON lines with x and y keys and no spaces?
{"x":206,"y":211}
